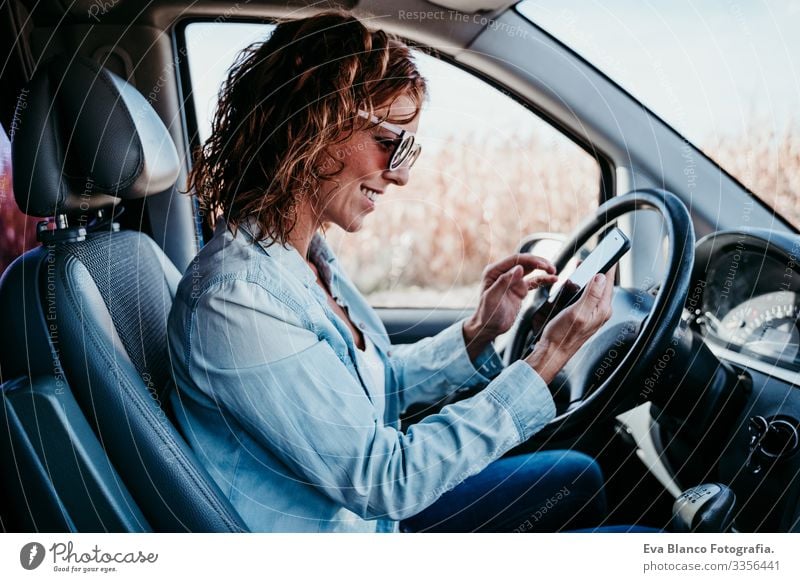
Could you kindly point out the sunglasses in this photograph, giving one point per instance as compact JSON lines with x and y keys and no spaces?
{"x":405,"y":151}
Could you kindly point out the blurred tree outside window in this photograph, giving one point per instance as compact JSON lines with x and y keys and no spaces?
{"x":725,"y":75}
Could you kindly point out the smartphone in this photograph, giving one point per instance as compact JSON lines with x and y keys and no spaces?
{"x":567,"y":291}
{"x":610,"y":250}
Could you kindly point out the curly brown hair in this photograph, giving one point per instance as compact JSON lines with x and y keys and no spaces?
{"x":285,"y":101}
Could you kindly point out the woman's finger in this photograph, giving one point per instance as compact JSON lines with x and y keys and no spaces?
{"x":595,"y":291}
{"x":541,"y":281}
{"x":527,"y":261}
{"x":609,"y":290}
{"x":505,"y":280}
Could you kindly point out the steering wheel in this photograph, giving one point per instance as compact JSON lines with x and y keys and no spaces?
{"x":612,"y":368}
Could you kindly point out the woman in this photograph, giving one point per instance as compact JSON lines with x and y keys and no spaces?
{"x":289,"y":389}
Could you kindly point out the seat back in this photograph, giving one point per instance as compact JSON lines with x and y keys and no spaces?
{"x":96,"y":302}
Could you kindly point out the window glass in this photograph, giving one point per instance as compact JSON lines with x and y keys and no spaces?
{"x":725,"y":75}
{"x":17,"y":231}
{"x":211,"y":48}
{"x":491,"y":173}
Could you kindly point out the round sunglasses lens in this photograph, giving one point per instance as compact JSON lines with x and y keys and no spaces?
{"x":413,"y":156}
{"x":402,"y":152}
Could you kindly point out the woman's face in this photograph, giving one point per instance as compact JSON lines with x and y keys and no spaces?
{"x":358,"y":189}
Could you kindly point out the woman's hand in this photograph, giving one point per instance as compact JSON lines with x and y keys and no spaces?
{"x":504,"y":287}
{"x":570,"y":329}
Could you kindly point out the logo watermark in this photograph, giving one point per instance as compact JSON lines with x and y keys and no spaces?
{"x":455,"y":16}
{"x":67,"y":558}
{"x":31,"y":555}
{"x":100,"y":8}
{"x":16,"y":120}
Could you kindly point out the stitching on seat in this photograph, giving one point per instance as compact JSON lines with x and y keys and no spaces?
{"x":148,"y":417}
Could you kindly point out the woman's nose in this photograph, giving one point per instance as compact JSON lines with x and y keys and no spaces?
{"x":399,"y":175}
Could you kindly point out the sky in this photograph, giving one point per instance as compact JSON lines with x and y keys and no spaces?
{"x":707,"y":67}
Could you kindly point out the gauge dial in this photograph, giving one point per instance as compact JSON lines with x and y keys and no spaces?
{"x":766,"y":325}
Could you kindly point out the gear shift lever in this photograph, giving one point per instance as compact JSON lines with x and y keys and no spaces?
{"x":707,"y":508}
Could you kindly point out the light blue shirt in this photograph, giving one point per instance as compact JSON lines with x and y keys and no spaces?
{"x":271,"y":397}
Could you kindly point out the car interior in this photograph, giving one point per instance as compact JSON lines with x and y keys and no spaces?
{"x":689,"y":390}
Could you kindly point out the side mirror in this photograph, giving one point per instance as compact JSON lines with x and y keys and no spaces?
{"x":543,"y":244}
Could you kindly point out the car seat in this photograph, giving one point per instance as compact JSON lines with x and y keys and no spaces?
{"x":87,"y":442}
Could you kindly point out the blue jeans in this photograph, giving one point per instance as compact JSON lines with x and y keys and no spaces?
{"x":548,"y":491}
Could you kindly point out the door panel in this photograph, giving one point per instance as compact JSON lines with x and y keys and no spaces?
{"x":408,"y":325}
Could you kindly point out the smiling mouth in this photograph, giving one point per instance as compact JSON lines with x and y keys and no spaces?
{"x":372,"y":195}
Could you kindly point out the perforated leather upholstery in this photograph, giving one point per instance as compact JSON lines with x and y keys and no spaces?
{"x":84,"y":363}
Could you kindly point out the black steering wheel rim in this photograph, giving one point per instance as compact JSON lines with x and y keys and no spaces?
{"x":657,"y":328}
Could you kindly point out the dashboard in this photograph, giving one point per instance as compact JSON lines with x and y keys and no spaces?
{"x":747,"y":295}
{"x":737,"y":421}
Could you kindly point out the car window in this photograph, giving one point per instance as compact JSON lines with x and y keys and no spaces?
{"x":491,"y":173}
{"x":17,"y":231}
{"x":725,"y":75}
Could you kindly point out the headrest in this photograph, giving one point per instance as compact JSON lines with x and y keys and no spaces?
{"x":84,"y":139}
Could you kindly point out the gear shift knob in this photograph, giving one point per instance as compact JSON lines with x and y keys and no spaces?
{"x":707,"y":508}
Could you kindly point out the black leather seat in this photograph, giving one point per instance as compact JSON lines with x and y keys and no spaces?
{"x":86,"y":442}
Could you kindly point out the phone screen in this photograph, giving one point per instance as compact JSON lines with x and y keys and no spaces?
{"x":613,"y":246}
{"x":565,"y":292}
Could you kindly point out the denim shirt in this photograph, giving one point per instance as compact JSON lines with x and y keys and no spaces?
{"x":271,"y":399}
